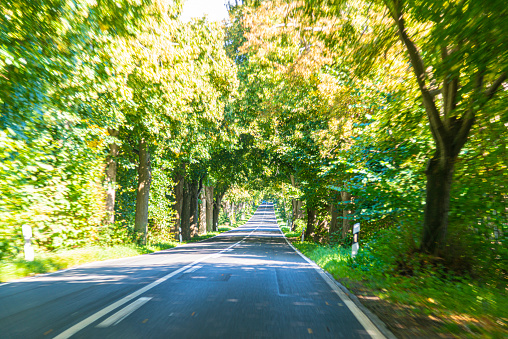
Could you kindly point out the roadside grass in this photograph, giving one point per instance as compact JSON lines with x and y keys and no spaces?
{"x":297,"y":233}
{"x":46,"y":262}
{"x":289,"y":233}
{"x":460,"y":307}
{"x":208,"y":235}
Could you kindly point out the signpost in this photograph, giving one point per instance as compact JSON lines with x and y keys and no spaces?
{"x":27,"y":234}
{"x":356,"y":230}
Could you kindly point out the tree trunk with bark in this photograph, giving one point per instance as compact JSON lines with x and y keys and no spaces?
{"x":216,"y":209}
{"x":186,"y":210}
{"x":311,"y":222}
{"x":179,"y":180}
{"x":209,"y":208}
{"x":111,"y":167}
{"x":202,"y":212}
{"x":194,"y":191}
{"x":296,"y":205}
{"x":439,"y":182}
{"x":297,"y":211}
{"x":143,"y":192}
{"x":346,"y":223}
{"x":334,"y":221}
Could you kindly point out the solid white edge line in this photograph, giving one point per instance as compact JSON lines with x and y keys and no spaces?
{"x":124,"y":312}
{"x":96,"y":316}
{"x":369,"y":326}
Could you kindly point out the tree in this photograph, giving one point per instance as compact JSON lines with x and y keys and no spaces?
{"x":457,"y":55}
{"x":54,"y":57}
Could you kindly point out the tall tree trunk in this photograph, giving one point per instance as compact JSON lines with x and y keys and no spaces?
{"x":209,"y":208}
{"x":143,"y":192}
{"x":216,"y":209}
{"x":230,"y":208}
{"x":296,"y":205}
{"x":111,"y":167}
{"x":196,"y":213}
{"x":439,"y":181}
{"x":186,"y":210}
{"x":293,"y":214}
{"x":346,"y":223}
{"x":179,"y":179}
{"x":297,"y":211}
{"x":202,"y":212}
{"x":311,"y":222}
{"x":194,"y":191}
{"x":334,"y":221}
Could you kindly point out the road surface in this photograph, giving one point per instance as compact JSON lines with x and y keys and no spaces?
{"x":245,"y":283}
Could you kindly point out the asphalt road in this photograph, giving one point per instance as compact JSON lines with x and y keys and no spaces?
{"x":245,"y":283}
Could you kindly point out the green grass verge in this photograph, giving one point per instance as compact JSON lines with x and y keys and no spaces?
{"x":208,"y":235}
{"x":297,"y":233}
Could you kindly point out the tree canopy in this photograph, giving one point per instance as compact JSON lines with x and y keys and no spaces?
{"x":119,"y":121}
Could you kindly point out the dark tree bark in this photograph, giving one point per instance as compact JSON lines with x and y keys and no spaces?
{"x":179,"y":179}
{"x":186,"y":210}
{"x":311,"y":222}
{"x":143,"y":192}
{"x":202,"y":212}
{"x":296,"y":205}
{"x":194,"y":191}
{"x":346,"y":223}
{"x":216,"y":208}
{"x":111,"y":167}
{"x":209,"y":208}
{"x":334,"y":220}
{"x":297,"y":211}
{"x":439,"y":182}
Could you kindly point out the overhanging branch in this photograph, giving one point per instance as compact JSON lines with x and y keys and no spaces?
{"x":438,"y":130}
{"x":489,"y":93}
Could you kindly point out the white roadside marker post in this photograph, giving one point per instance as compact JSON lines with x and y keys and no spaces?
{"x":180,"y":233}
{"x":27,"y":234}
{"x":356,"y":230}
